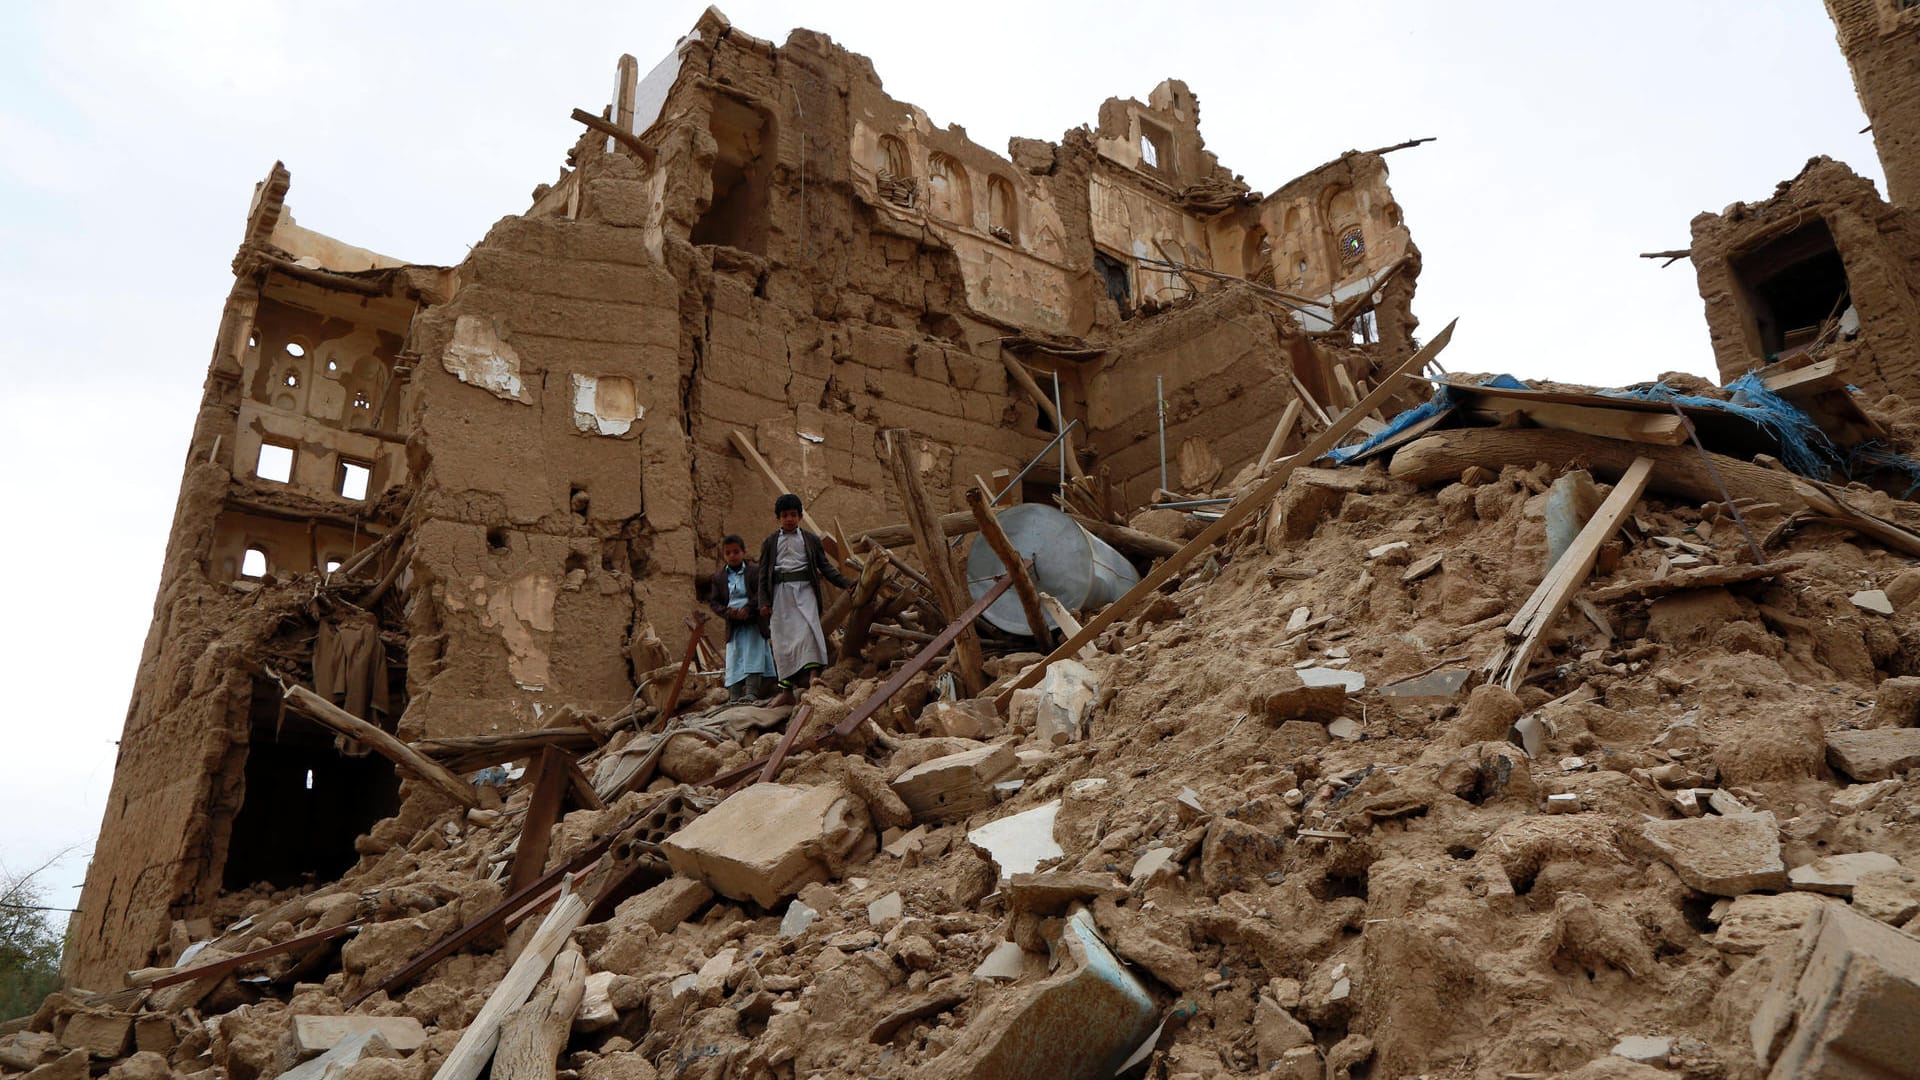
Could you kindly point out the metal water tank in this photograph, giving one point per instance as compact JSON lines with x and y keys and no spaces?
{"x":1069,"y":564}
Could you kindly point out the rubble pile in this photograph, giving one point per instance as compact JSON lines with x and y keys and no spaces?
{"x":1301,"y":831}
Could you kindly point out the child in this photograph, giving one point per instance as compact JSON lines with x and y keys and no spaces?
{"x":733,"y":593}
{"x":792,"y":562}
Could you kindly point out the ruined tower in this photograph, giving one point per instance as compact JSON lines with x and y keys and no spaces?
{"x":1881,"y":40}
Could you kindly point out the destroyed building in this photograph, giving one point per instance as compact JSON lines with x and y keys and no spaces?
{"x":769,"y":260}
{"x":1442,"y":726}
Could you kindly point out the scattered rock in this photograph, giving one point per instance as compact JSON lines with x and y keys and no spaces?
{"x":767,"y":840}
{"x":1646,"y":1049}
{"x":952,"y":787}
{"x":1836,"y":875}
{"x":1896,"y":703}
{"x":1876,"y":754}
{"x":1725,"y":856}
{"x":1873,"y":600}
{"x":1753,"y":922}
{"x":1019,"y":843}
{"x":1857,"y":798}
{"x":1843,"y":1005}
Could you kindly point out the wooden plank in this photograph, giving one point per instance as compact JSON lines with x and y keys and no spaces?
{"x":1570,"y":572}
{"x":1024,"y":378}
{"x":625,"y":138}
{"x":1810,"y":379}
{"x":536,"y":828}
{"x":796,"y":723}
{"x":1698,"y":577}
{"x":533,"y":1036}
{"x":1403,"y":437}
{"x":222,"y":967}
{"x":406,"y":757}
{"x":1343,"y":385}
{"x":1313,"y":406}
{"x":476,"y":1045}
{"x":671,"y":703}
{"x":827,"y":540}
{"x":935,"y":557}
{"x":996,"y":539}
{"x":1064,"y":619}
{"x":1659,"y":429}
{"x":1289,"y":419}
{"x":1240,"y":510}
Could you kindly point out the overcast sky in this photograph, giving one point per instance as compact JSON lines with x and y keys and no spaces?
{"x":1571,"y":137}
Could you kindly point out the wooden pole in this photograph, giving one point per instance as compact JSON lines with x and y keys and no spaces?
{"x":477,"y":1043}
{"x":533,"y":1036}
{"x":698,"y":627}
{"x":1069,"y":626}
{"x":827,"y":540}
{"x":1241,"y":509}
{"x":1570,"y":572}
{"x":406,"y":757}
{"x":625,"y":138}
{"x":1289,"y":419}
{"x":929,"y":539}
{"x":996,"y":539}
{"x":796,"y":723}
{"x":1025,"y":380}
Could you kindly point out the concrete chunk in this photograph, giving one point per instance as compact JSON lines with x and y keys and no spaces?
{"x":1836,"y":875}
{"x":951,"y":787}
{"x":766,"y":841}
{"x":1725,"y":856}
{"x":1844,"y":1007}
{"x":1875,"y":754}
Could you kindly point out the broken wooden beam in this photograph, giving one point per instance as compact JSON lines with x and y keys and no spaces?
{"x":1697,"y":577}
{"x":1045,"y":404}
{"x":827,"y":540}
{"x":221,"y":967}
{"x":533,"y":1036}
{"x":1570,"y":572}
{"x":460,"y":752}
{"x":608,"y":128}
{"x":697,"y":628}
{"x":996,"y":539}
{"x":1660,"y":429}
{"x":477,"y":1043}
{"x":1289,"y":419}
{"x":937,"y":560}
{"x":1441,"y":457}
{"x":1242,"y":508}
{"x":796,"y":723}
{"x":406,"y":757}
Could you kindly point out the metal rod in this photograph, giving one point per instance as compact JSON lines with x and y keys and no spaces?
{"x":1042,"y":456}
{"x":1185,"y":504}
{"x":1160,"y":402}
{"x":1060,"y":415}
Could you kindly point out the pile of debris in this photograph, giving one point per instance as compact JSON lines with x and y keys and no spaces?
{"x":1447,"y":760}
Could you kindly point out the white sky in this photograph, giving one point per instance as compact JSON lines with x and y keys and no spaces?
{"x":1571,"y":137}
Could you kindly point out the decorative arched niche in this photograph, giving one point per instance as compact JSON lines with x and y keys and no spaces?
{"x":950,"y":196}
{"x":1003,"y":210}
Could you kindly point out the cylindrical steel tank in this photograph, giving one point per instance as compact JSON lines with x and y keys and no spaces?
{"x":1069,"y":564}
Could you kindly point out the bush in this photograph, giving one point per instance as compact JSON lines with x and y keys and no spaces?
{"x":29,"y":946}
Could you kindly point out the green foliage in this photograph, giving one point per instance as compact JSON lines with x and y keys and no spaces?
{"x":29,"y":945}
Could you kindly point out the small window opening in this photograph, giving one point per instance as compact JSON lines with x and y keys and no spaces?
{"x":332,"y":365}
{"x":253,"y":564}
{"x":1156,"y":147}
{"x":309,"y":779}
{"x":253,"y":341}
{"x":360,"y":401}
{"x":742,"y":178}
{"x":275,"y":463}
{"x":351,"y":481}
{"x":1792,"y":286}
{"x":291,"y":378}
{"x":333,"y":565}
{"x":1366,"y":328}
{"x":1114,"y":274}
{"x":295,"y":349}
{"x":497,"y":541}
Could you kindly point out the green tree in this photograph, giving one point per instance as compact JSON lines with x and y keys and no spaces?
{"x":29,"y":945}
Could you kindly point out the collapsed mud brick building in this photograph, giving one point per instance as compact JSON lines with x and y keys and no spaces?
{"x":1447,"y":726}
{"x":1826,"y":251}
{"x":771,"y":250}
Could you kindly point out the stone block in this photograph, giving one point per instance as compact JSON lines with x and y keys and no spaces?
{"x":951,"y":787}
{"x":1856,"y":798}
{"x":1876,"y":754}
{"x":103,"y":1035}
{"x":1896,"y":703}
{"x":1282,"y":696}
{"x":1725,"y":856}
{"x":1079,"y":1024}
{"x":317,"y":1034}
{"x":27,"y":1049}
{"x":764,"y":842}
{"x":71,"y":1066}
{"x":1753,"y":922}
{"x":1891,"y":896}
{"x":1843,"y":1008}
{"x":1276,"y":1032}
{"x":665,"y":905}
{"x":1836,"y":875}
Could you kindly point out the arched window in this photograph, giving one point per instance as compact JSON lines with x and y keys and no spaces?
{"x":893,"y":158}
{"x":951,"y":195}
{"x":1003,"y":211}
